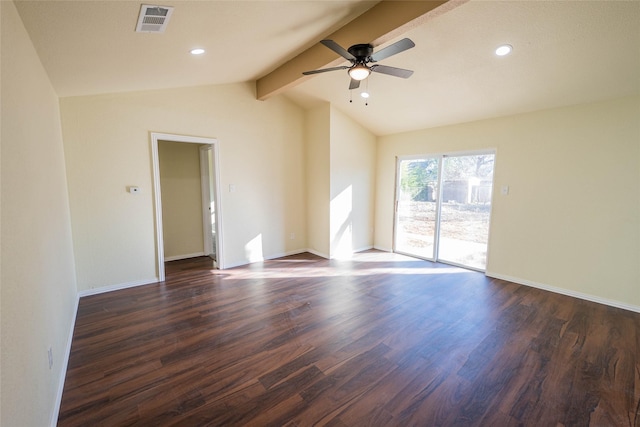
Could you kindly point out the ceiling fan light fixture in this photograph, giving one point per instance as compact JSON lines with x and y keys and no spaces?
{"x":359,"y":72}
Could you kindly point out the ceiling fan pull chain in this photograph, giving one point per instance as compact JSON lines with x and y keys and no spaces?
{"x":366,"y":99}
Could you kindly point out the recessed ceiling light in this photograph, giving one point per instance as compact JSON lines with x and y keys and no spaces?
{"x":503,"y":50}
{"x":364,"y":94}
{"x":197,"y":51}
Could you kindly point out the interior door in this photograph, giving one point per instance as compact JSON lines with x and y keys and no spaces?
{"x":212,"y":206}
{"x":209,"y":215}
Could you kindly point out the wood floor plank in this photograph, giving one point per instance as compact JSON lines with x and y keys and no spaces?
{"x":379,"y":340}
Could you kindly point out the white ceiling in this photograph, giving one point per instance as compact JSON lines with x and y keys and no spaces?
{"x":565,"y":52}
{"x":91,"y":47}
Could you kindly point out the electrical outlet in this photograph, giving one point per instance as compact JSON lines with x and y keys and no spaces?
{"x":292,"y":236}
{"x":50,"y":354}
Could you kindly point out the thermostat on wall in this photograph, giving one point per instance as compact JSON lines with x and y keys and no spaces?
{"x":134,"y":190}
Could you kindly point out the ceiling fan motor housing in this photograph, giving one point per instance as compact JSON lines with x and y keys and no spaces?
{"x":362,"y":52}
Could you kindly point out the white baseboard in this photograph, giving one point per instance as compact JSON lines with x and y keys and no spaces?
{"x":65,"y":365}
{"x":289,"y":253}
{"x":567,"y":292}
{"x":239,"y":263}
{"x":383,"y":249}
{"x":110,"y":288}
{"x":317,"y":253}
{"x":67,"y":350}
{"x":296,"y":252}
{"x":235,"y":264}
{"x":185,"y":256}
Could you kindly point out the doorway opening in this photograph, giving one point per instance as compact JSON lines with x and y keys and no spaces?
{"x":443,"y":208}
{"x":210,"y":218}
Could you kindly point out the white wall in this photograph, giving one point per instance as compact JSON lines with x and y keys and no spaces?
{"x":340,"y":172}
{"x":107,"y":147}
{"x":352,"y":193}
{"x":571,"y":220}
{"x":38,"y":286}
{"x":180,"y":182}
{"x":318,"y":179}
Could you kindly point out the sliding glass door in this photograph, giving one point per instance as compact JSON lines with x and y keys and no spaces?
{"x":416,"y":208}
{"x":443,"y":206}
{"x":465,"y":209}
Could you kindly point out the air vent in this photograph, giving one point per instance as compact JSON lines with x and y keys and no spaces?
{"x":153,"y":19}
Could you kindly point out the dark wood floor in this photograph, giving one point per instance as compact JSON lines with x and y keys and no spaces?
{"x":381,"y":340}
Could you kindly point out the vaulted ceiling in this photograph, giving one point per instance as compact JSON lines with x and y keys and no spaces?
{"x":564,"y":53}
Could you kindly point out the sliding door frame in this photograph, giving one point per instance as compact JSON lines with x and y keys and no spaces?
{"x":436,"y":241}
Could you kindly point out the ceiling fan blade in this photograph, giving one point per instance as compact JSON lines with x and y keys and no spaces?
{"x":355,"y":84}
{"x":392,"y":71}
{"x":397,"y":47}
{"x":324,"y":70}
{"x":338,"y":49}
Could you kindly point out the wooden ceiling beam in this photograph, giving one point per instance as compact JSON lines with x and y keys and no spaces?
{"x":383,"y":22}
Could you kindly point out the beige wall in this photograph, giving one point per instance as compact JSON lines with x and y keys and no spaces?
{"x":340,"y":171}
{"x":38,"y":287}
{"x":107,"y":147}
{"x":318,"y":182}
{"x":180,"y":183}
{"x":352,"y":177}
{"x":571,"y":220}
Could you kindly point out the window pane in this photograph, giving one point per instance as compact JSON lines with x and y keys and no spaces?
{"x":416,"y":209}
{"x":466,"y":207}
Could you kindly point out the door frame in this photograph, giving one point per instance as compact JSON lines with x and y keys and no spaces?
{"x":440,"y":156}
{"x":396,"y":202}
{"x":214,"y":144}
{"x":206,"y":187}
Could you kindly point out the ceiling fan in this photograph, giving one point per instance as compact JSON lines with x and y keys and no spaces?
{"x":360,"y":55}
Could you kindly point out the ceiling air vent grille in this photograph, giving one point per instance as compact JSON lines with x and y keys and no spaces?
{"x":153,"y":19}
